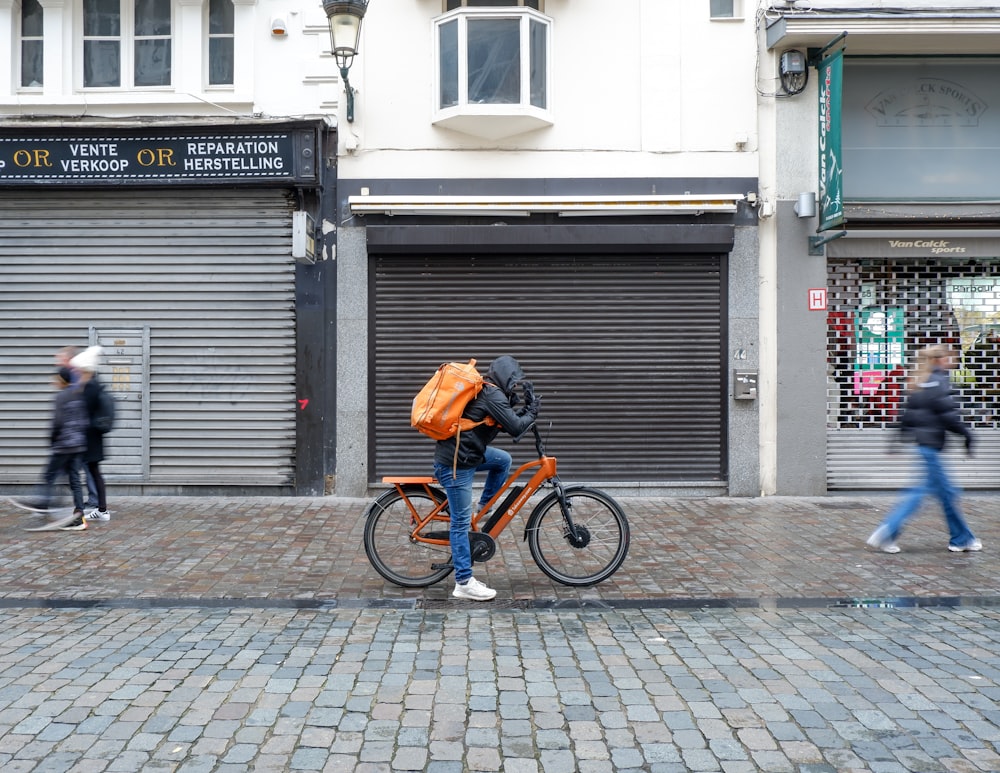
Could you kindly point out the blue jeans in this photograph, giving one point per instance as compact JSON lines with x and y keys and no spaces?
{"x":936,"y":483}
{"x":458,"y":486}
{"x":68,"y":464}
{"x":92,"y":499}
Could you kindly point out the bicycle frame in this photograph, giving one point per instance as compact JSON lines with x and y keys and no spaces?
{"x":546,"y":470}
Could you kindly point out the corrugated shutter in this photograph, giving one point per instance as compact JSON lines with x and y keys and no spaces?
{"x":626,"y":353}
{"x":881,"y":313}
{"x":861,"y":459}
{"x":208,"y":272}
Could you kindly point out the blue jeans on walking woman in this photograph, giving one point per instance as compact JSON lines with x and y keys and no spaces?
{"x":936,"y":483}
{"x":496,"y":464}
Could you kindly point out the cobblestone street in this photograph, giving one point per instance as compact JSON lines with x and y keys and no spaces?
{"x":741,"y":635}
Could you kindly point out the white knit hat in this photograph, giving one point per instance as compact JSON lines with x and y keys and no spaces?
{"x":87,"y":359}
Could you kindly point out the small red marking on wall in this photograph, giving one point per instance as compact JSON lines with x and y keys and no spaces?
{"x":303,"y":404}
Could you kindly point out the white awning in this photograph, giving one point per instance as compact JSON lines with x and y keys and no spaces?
{"x":567,"y":206}
{"x":889,"y":33}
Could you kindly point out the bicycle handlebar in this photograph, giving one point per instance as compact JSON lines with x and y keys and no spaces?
{"x":539,"y":443}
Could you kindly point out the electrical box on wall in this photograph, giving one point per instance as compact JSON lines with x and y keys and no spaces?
{"x":744,"y":385}
{"x":303,"y":237}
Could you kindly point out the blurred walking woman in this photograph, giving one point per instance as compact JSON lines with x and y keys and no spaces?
{"x":929,"y":414}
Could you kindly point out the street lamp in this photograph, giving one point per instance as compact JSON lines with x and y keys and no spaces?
{"x":344,"y":19}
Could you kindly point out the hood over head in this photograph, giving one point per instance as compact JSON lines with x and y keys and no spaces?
{"x":505,"y":372}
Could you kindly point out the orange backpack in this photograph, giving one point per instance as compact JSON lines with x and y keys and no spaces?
{"x":437,"y":409}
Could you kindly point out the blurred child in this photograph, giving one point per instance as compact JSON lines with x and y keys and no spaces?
{"x":68,"y":439}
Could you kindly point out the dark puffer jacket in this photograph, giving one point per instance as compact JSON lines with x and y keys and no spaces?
{"x":931,"y":411}
{"x":95,"y":438}
{"x":69,"y":422}
{"x":495,"y":401}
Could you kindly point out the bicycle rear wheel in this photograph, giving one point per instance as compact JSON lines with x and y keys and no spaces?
{"x":601,"y":543}
{"x":391,"y":551}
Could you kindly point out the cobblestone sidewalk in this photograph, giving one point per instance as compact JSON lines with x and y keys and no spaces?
{"x":776,"y":551}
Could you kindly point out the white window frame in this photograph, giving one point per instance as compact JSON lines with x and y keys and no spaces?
{"x":19,"y":48}
{"x":492,"y":120}
{"x":736,"y":15}
{"x":207,"y":49}
{"x":521,"y":3}
{"x":126,"y":42}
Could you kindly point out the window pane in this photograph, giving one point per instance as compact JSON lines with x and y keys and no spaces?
{"x":448,"y":46}
{"x":152,"y":17}
{"x":31,"y":19}
{"x":101,"y":63}
{"x":539,"y":64}
{"x":494,"y":61}
{"x":31,"y":63}
{"x":220,"y":17}
{"x":220,"y":61}
{"x":721,"y":9}
{"x":152,"y":63}
{"x":101,"y":18}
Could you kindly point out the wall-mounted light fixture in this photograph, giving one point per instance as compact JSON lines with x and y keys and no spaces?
{"x":805,"y":206}
{"x":344,"y":19}
{"x":794,"y":71}
{"x":278,"y":26}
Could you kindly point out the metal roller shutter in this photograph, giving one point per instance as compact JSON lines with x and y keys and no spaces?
{"x":627,"y":355}
{"x":208,"y":272}
{"x":881,"y":313}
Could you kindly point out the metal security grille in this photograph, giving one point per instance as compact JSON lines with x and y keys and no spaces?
{"x":209,"y":273}
{"x":627,"y":355}
{"x":881,"y":312}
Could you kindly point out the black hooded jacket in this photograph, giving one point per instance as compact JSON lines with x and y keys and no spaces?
{"x":496,"y":401}
{"x":931,"y":411}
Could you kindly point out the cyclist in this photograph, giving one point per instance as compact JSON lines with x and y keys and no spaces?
{"x":498,"y":400}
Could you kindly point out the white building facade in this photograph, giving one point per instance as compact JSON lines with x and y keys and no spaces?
{"x":893,"y":133}
{"x":615,"y":197}
{"x":273,"y":282}
{"x":161,"y":165}
{"x":571,"y":185}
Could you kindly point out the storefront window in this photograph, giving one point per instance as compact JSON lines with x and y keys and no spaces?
{"x":920,"y":128}
{"x":883,"y":311}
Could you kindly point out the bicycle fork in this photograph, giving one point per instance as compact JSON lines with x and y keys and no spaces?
{"x":577,"y":536}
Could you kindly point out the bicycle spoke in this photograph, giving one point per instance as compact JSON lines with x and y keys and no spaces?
{"x":598,"y":547}
{"x":389,"y":546}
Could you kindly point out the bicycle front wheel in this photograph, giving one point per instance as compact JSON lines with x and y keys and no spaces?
{"x":596,"y":551}
{"x":388,"y":544}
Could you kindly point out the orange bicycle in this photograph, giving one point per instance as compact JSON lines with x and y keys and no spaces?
{"x":577,"y":535}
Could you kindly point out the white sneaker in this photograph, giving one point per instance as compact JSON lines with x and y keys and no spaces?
{"x":880,"y":541}
{"x":473,"y":590}
{"x":970,"y":547}
{"x":97,"y":515}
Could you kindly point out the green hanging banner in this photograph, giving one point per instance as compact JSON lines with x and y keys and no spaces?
{"x":831,"y":172}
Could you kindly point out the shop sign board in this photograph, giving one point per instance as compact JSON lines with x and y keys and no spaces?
{"x":163,"y":155}
{"x":908,"y":246}
{"x":831,"y":170}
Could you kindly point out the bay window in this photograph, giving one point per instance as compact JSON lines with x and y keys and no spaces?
{"x":492,"y":62}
